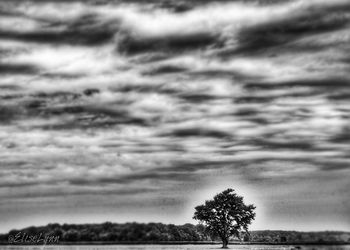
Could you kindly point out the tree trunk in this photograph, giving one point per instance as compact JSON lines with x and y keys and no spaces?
{"x":224,"y":242}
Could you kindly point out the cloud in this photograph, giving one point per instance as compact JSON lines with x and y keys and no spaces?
{"x":330,"y":83}
{"x":279,"y":32}
{"x":197,"y":131}
{"x":193,"y":101}
{"x":72,"y":35}
{"x":8,"y":113}
{"x":18,"y":69}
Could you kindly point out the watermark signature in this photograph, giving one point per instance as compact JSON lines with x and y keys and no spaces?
{"x":37,"y":239}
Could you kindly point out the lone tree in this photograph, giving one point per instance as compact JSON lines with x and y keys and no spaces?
{"x":225,"y":215}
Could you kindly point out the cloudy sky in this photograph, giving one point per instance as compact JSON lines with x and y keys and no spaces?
{"x":140,"y":110}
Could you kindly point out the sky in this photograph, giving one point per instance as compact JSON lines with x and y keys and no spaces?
{"x":140,"y":110}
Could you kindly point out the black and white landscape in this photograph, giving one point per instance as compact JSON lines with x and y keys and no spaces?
{"x":140,"y":110}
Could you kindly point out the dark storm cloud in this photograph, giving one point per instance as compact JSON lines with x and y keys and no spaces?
{"x":336,"y":165}
{"x":276,"y":33}
{"x":62,"y":95}
{"x":8,"y":113}
{"x":260,"y":38}
{"x":175,"y":43}
{"x":17,"y":185}
{"x":342,"y":137}
{"x":139,"y":88}
{"x":198,"y":98}
{"x":339,"y":96}
{"x":41,"y":104}
{"x":253,"y":99}
{"x":197,"y":131}
{"x":86,"y":29}
{"x":71,"y":36}
{"x":18,"y":69}
{"x":253,"y":38}
{"x":323,"y":84}
{"x":167,"y":69}
{"x":9,"y":87}
{"x":287,"y":144}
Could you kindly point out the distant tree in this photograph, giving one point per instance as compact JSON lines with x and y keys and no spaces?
{"x":225,"y":215}
{"x":246,"y":237}
{"x":283,"y":239}
{"x":72,"y":235}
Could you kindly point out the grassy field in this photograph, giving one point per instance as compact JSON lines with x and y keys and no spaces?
{"x":176,"y":247}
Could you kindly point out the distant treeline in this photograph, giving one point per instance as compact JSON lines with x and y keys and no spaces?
{"x":158,"y":232}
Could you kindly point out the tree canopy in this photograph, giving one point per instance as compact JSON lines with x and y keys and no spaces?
{"x":225,"y":215}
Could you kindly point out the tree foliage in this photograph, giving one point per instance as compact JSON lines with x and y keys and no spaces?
{"x":158,"y":233}
{"x":114,"y":232}
{"x":225,"y":215}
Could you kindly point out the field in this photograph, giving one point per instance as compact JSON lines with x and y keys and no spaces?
{"x":175,"y":247}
